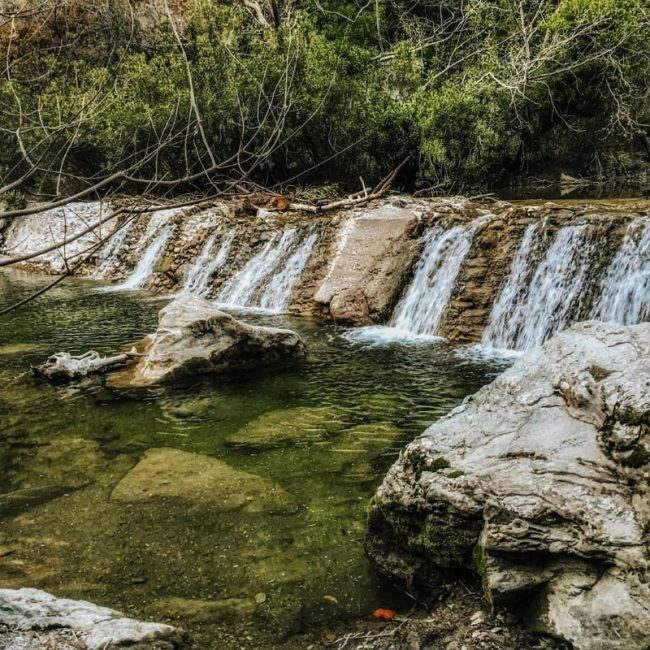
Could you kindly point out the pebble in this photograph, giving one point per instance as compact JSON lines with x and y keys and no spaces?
{"x":477,"y":618}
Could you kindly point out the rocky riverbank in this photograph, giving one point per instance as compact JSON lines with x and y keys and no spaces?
{"x":539,"y":485}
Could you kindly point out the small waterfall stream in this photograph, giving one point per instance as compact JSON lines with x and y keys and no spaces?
{"x":154,"y":240}
{"x":420,"y":312}
{"x":206,"y":264}
{"x":625,"y":289}
{"x":524,"y":319}
{"x":267,"y":280}
{"x":108,"y":258}
{"x":277,"y":294}
{"x":509,"y":302}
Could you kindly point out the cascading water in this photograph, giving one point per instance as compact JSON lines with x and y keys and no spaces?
{"x":206,"y":264}
{"x":625,"y":289}
{"x":268,"y":267}
{"x":277,"y":294}
{"x":421,"y":310}
{"x":509,"y":302}
{"x":109,"y":254}
{"x":155,"y":238}
{"x":546,"y":305}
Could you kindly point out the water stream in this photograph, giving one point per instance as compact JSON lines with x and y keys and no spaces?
{"x":267,"y":280}
{"x":525,"y":317}
{"x":149,"y":250}
{"x":511,"y":300}
{"x":422,"y":308}
{"x":625,"y":289}
{"x":207,"y":264}
{"x":277,"y":293}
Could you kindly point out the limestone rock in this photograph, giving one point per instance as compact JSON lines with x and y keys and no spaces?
{"x":34,"y":619}
{"x":36,"y":232}
{"x":193,"y":337}
{"x":373,"y":260}
{"x":289,"y":426}
{"x":540,"y":480}
{"x":201,"y":481}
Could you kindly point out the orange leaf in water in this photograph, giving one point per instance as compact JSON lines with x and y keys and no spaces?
{"x":384,"y":614}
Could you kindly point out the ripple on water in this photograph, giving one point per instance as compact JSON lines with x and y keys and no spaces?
{"x":359,"y":403}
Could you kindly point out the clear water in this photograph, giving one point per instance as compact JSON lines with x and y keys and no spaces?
{"x":63,"y":450}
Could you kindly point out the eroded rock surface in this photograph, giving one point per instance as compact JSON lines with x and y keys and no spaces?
{"x":373,"y":260}
{"x":193,"y":337}
{"x":540,"y":481}
{"x":31,"y":619}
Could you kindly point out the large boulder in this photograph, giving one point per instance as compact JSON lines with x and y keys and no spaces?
{"x":373,"y":260}
{"x":540,"y":482}
{"x":193,"y":337}
{"x":31,"y":619}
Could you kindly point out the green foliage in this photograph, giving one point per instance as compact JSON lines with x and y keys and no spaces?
{"x":13,"y":200}
{"x":471,"y":91}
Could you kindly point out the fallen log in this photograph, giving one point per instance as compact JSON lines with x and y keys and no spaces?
{"x":62,"y":367}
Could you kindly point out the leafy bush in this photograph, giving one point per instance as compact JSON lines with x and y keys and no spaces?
{"x":326,"y":91}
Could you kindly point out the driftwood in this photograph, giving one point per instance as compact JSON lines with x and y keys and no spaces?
{"x":62,"y":367}
{"x":355,"y":199}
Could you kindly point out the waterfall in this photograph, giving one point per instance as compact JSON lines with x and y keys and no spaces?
{"x":625,"y":289}
{"x":421,"y":310}
{"x":108,"y":258}
{"x":32,"y":233}
{"x":277,"y":294}
{"x":546,"y":305}
{"x":206,"y":264}
{"x":155,"y":238}
{"x":241,"y":290}
{"x":509,"y":303}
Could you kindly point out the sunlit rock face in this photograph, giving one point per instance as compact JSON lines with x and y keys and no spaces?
{"x":375,"y":252}
{"x":81,"y":225}
{"x":30,"y":618}
{"x":539,"y":483}
{"x":193,"y":337}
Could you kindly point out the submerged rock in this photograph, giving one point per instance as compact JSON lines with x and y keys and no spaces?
{"x":193,"y":337}
{"x":31,"y":619}
{"x":289,"y":426}
{"x":200,"y":481}
{"x":225,"y":610}
{"x":540,"y":481}
{"x":357,"y":448}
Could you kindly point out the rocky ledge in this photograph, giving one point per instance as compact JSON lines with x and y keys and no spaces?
{"x":539,"y":483}
{"x":31,"y":619}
